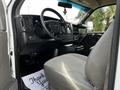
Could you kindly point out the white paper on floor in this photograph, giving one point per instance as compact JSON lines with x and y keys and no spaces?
{"x":36,"y":81}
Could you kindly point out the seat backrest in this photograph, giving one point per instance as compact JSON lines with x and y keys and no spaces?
{"x":4,"y":62}
{"x":98,"y":59}
{"x":6,"y":80}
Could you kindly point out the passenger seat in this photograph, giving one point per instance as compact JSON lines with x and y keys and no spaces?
{"x":78,"y":72}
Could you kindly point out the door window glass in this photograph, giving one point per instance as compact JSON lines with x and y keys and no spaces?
{"x":100,"y":19}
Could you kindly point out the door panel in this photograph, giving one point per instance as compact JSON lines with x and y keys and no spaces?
{"x":6,"y":80}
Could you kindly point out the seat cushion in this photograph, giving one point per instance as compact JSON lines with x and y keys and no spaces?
{"x":67,"y":72}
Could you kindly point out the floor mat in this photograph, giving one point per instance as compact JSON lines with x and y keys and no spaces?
{"x":36,"y":81}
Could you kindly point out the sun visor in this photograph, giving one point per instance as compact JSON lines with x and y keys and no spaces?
{"x":94,"y":3}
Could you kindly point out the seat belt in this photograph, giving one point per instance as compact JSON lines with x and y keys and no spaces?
{"x":107,"y":77}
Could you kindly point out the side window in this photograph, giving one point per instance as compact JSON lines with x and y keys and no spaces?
{"x":100,"y":19}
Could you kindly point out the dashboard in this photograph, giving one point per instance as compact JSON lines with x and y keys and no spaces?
{"x":31,"y":36}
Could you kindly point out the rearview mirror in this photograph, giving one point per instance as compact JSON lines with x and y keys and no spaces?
{"x":65,"y":4}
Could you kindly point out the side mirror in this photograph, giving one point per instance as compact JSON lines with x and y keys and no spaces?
{"x":82,"y":28}
{"x":65,"y":4}
{"x":89,"y":26}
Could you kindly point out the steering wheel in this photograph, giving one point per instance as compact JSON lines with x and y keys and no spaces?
{"x":54,"y":28}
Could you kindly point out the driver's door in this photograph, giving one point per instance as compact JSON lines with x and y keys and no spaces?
{"x":7,"y":82}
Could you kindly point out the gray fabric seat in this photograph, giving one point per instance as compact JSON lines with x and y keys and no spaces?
{"x":77,"y":72}
{"x":70,"y":68}
{"x":7,"y":82}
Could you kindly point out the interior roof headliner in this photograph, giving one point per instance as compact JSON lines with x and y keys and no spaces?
{"x":94,"y":3}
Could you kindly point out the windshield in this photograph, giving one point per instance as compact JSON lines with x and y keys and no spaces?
{"x":73,"y":15}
